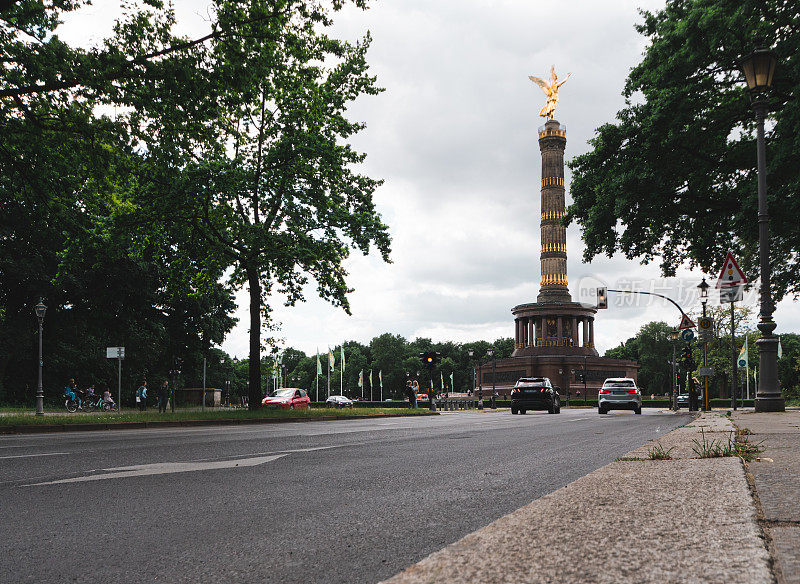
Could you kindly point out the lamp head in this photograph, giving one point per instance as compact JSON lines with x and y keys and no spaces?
{"x":703,"y":286}
{"x":40,"y":309}
{"x":673,"y":335}
{"x":490,"y":352}
{"x":758,"y":68}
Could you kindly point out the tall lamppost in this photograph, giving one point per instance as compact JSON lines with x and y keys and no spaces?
{"x":490,"y":353}
{"x":758,"y":68}
{"x":704,"y":286}
{"x":471,"y":354}
{"x":673,"y":336}
{"x":40,"y":310}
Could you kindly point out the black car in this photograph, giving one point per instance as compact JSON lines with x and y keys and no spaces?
{"x":535,"y":393}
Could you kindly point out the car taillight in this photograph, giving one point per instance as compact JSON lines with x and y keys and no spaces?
{"x":515,"y":390}
{"x":636,"y":391}
{"x":603,"y":390}
{"x":543,"y":390}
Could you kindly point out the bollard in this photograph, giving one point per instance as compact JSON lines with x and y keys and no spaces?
{"x":432,"y":403}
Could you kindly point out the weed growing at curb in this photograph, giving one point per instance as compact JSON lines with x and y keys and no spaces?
{"x":716,"y":448}
{"x":657,"y":452}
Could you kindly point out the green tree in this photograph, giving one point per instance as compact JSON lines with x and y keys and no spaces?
{"x":674,"y":177}
{"x":654,"y":350}
{"x":627,"y":350}
{"x":71,"y":230}
{"x":274,"y":189}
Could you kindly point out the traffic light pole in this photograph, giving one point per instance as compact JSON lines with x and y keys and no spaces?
{"x":651,"y":294}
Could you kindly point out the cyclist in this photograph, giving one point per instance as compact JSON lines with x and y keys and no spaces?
{"x":70,"y":392}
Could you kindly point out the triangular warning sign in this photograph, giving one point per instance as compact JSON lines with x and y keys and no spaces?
{"x":686,"y":323}
{"x":731,"y":274}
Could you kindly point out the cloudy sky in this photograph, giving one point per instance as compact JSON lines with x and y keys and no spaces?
{"x":455,"y":138}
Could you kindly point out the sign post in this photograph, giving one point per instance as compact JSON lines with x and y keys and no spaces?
{"x":117,"y":353}
{"x":705,"y":330}
{"x":730,"y":283}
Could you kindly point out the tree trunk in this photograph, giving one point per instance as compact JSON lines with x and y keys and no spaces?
{"x":254,"y":387}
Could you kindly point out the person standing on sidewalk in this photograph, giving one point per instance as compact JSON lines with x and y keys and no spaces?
{"x":163,"y":392}
{"x":141,"y":396}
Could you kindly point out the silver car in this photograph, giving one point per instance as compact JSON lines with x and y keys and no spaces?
{"x":619,"y":393}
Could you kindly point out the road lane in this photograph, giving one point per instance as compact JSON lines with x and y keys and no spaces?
{"x":392,"y":491}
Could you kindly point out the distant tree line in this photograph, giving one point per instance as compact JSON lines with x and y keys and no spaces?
{"x":397,"y":359}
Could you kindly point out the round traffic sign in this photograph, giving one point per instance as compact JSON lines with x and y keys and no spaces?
{"x":705,"y":322}
{"x":687,"y":334}
{"x":742,"y":363}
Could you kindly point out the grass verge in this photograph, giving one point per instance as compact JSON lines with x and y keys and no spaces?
{"x":30,"y":419}
{"x":716,"y":448}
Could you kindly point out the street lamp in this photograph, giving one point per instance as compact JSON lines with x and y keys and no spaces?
{"x":758,"y":68}
{"x":703,"y":286}
{"x":673,"y":336}
{"x":40,"y":309}
{"x":471,"y":354}
{"x":490,"y":353}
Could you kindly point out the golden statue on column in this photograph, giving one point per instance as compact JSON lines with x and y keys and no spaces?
{"x":551,"y":91}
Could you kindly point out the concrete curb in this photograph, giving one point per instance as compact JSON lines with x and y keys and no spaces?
{"x":89,"y":427}
{"x":686,"y":520}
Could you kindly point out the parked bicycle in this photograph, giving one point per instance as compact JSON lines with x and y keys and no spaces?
{"x":97,"y":403}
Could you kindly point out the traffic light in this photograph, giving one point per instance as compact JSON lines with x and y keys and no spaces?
{"x":430,"y":358}
{"x":602,"y":298}
{"x":688,"y":360}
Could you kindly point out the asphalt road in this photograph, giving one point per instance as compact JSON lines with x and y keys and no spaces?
{"x":345,"y":501}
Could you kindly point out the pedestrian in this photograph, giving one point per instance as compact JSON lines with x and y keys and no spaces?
{"x":107,"y":396}
{"x":141,"y":396}
{"x":163,"y":392}
{"x":415,"y":391}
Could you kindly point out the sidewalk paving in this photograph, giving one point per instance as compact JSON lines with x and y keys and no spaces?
{"x":776,"y":478}
{"x":635,"y":520}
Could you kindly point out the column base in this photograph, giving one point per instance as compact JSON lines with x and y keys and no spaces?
{"x":770,"y":403}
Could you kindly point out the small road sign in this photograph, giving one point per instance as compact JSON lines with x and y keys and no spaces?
{"x":115,"y":352}
{"x":742,"y":363}
{"x":687,"y":335}
{"x":730,"y":294}
{"x":705,"y":329}
{"x":686,"y":323}
{"x":731,"y":274}
{"x":706,"y":372}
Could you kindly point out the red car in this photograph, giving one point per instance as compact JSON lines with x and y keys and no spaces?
{"x":288,"y":398}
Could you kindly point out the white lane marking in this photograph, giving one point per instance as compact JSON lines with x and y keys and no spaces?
{"x":164,"y":468}
{"x":32,"y":455}
{"x":284,"y":452}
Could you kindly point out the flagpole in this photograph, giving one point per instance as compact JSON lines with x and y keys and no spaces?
{"x":329,"y":371}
